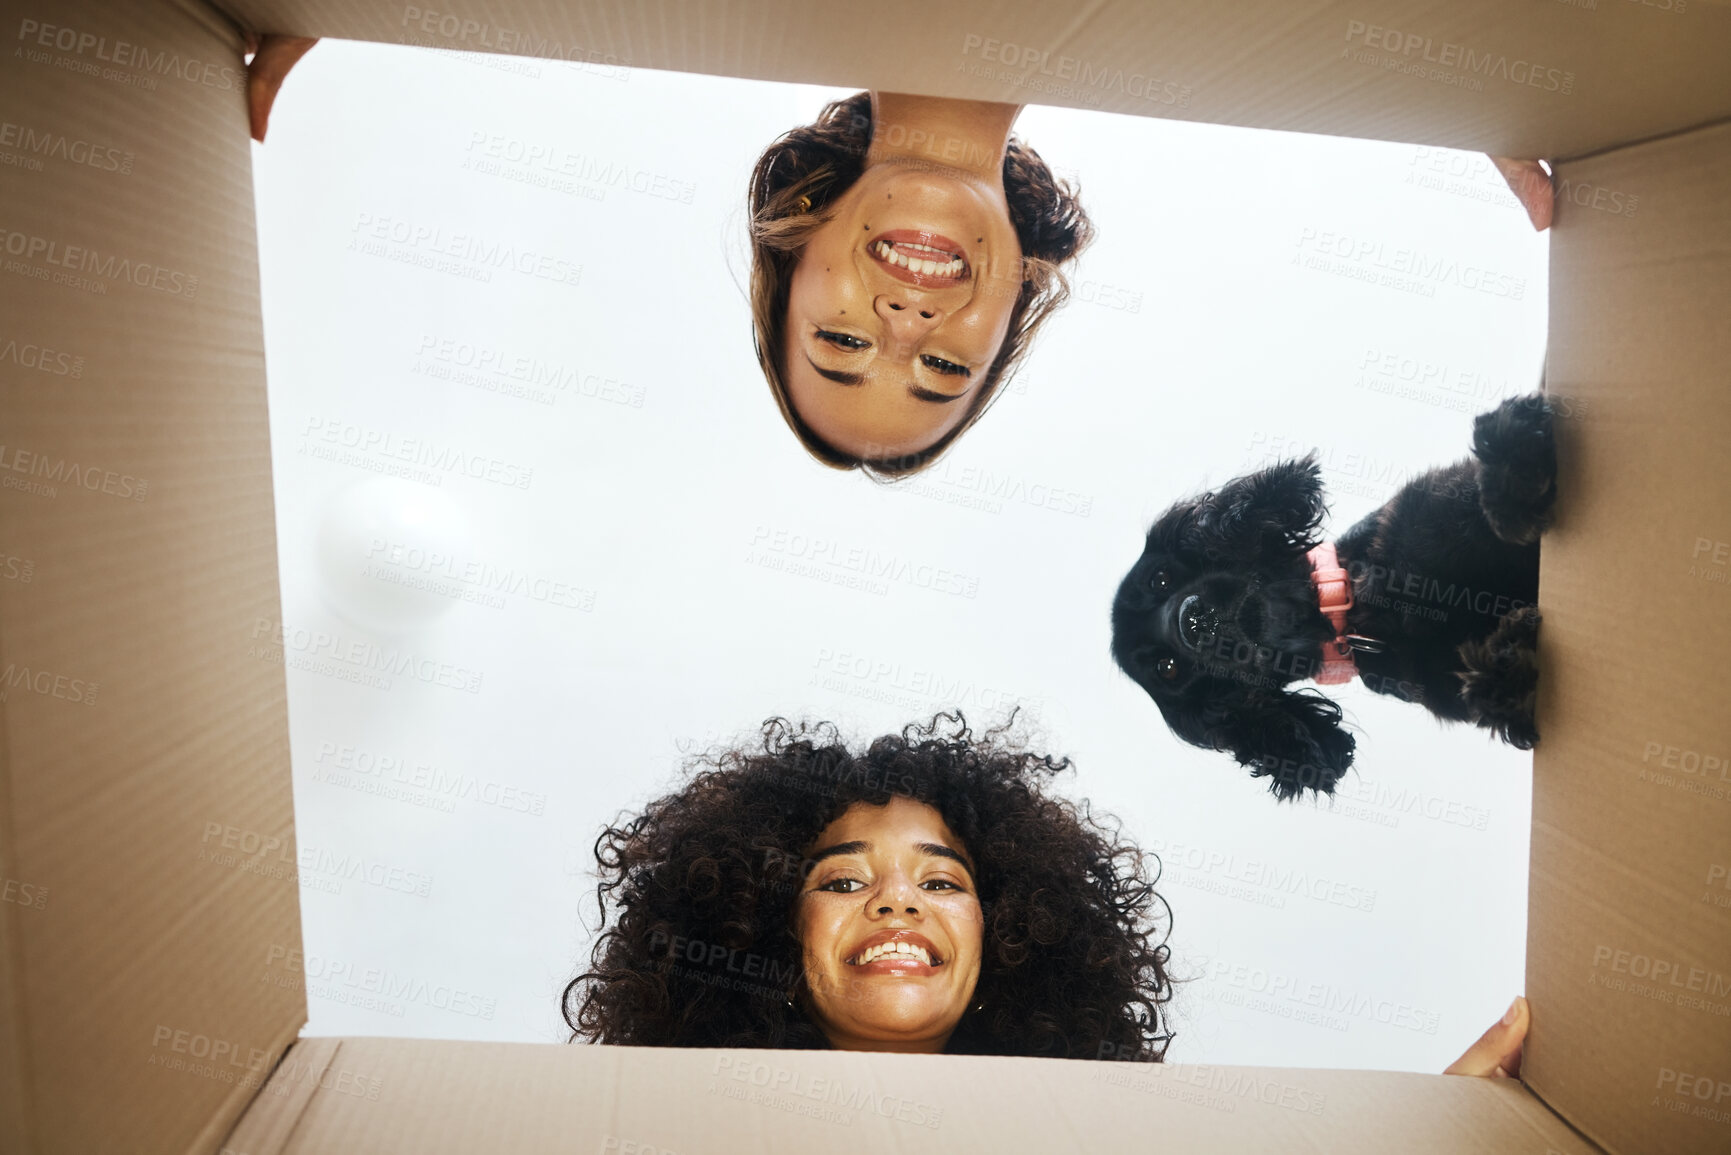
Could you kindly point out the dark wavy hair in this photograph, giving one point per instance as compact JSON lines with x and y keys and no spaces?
{"x":700,"y":949}
{"x":821,"y":161}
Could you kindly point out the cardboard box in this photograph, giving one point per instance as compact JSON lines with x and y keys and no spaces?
{"x":144,"y":763}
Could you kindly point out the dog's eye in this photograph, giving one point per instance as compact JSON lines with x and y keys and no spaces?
{"x":1160,"y":582}
{"x":1167,"y":668}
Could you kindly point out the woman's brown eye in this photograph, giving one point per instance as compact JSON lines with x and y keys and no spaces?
{"x":1167,"y":668}
{"x":948,"y":368}
{"x":843,"y":340}
{"x":835,"y":884}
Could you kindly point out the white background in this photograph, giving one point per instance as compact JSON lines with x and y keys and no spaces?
{"x":669,"y":502}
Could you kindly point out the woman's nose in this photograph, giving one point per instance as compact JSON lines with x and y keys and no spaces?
{"x":897,"y":894}
{"x":909,"y":316}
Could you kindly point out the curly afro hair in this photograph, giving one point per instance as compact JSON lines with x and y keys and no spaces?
{"x":700,"y":950}
{"x":814,"y":164}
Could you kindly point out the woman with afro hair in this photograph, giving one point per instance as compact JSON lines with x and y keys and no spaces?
{"x":925,"y":893}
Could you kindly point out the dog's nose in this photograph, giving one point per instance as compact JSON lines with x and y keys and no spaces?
{"x":1197,"y":622}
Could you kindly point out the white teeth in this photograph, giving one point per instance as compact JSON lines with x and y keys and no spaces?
{"x":905,"y":949}
{"x":948,"y":266}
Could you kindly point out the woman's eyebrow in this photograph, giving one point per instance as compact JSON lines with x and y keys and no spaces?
{"x":851,"y":379}
{"x":858,"y":846}
{"x":939,"y":850}
{"x":932,"y":395}
{"x":854,"y":847}
{"x":854,"y":380}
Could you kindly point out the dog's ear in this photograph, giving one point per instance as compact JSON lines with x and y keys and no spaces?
{"x":1277,"y":508}
{"x":1292,"y":738}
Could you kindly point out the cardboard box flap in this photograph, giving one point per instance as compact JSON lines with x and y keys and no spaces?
{"x":148,"y":847}
{"x":1629,"y":934}
{"x":150,"y":938}
{"x":277,"y":1111}
{"x":400,"y":1095}
{"x":1547,"y":79}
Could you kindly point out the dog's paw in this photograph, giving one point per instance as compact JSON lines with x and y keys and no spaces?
{"x":1500,"y":681}
{"x":1516,"y":448}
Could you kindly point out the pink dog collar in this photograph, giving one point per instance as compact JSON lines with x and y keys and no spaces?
{"x":1334,"y":593}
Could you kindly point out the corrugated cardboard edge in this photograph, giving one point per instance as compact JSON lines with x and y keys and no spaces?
{"x":1540,"y":1141}
{"x":277,"y":1107}
{"x":14,"y":1024}
{"x":133,"y":1008}
{"x":1297,"y":66}
{"x":426,"y":1097}
{"x":1623,"y":836}
{"x":16,"y":1117}
{"x":1656,"y":138}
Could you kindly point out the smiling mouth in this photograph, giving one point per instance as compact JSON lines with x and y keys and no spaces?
{"x":930,"y":260}
{"x":896,"y":952}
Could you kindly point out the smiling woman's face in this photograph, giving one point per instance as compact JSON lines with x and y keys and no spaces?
{"x":898,"y":307}
{"x":890,"y":928}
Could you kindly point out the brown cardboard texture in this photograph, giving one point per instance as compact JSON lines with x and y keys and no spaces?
{"x":145,"y":754}
{"x":1629,"y":800}
{"x":148,"y":849}
{"x":649,"y":1098}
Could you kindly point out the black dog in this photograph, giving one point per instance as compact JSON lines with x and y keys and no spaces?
{"x":1222,"y":612}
